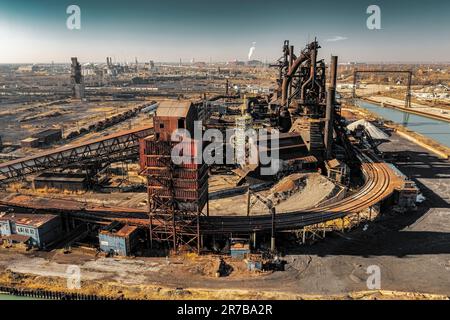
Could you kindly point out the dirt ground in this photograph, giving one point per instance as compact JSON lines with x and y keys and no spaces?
{"x":21,"y":121}
{"x":316,"y":189}
{"x":295,"y":192}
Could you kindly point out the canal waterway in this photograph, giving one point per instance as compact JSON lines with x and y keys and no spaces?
{"x":437,"y":130}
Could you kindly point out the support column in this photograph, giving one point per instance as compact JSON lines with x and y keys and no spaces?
{"x":248,"y":200}
{"x":291,"y":61}
{"x":408,"y":91}
{"x":198,"y":234}
{"x":330,"y":108}
{"x":272,"y":239}
{"x":174,"y":232}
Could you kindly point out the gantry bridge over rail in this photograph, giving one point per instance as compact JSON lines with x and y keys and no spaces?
{"x":408,"y":84}
{"x":116,"y":147}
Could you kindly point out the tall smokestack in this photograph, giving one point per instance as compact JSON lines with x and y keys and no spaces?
{"x":331,"y":98}
{"x":291,"y":62}
{"x":333,"y":71}
{"x":76,"y":78}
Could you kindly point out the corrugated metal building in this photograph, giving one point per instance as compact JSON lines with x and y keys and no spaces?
{"x":172,"y":115}
{"x":48,"y":136}
{"x":42,"y":229}
{"x":118,"y":238}
{"x":30,"y":143}
{"x":186,"y":182}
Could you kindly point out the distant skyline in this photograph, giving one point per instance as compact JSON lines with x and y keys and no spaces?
{"x":165,"y":31}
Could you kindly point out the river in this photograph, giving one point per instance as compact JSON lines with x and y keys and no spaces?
{"x":437,"y":130}
{"x":12,"y":297}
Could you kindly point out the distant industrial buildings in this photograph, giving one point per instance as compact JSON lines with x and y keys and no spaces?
{"x":28,"y":68}
{"x":42,"y":138}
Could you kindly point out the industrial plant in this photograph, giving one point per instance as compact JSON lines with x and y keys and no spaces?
{"x":287,"y":178}
{"x":312,"y":139}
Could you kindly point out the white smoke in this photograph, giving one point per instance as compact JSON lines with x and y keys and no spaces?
{"x":337,"y":38}
{"x":252,"y":49}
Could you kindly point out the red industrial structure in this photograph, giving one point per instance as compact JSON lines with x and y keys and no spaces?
{"x":177,"y":192}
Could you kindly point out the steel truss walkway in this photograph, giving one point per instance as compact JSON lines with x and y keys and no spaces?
{"x":119,"y":146}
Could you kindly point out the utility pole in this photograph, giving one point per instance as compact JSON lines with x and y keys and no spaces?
{"x":248,"y":200}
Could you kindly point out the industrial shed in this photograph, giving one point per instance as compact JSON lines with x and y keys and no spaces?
{"x":172,"y":115}
{"x":42,"y":229}
{"x":118,"y":239}
{"x":62,"y":181}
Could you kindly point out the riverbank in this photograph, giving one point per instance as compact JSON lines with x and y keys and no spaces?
{"x":381,"y":101}
{"x":431,"y":145}
{"x":158,"y":293}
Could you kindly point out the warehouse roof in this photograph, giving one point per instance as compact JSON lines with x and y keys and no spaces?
{"x":177,"y":109}
{"x":118,"y":229}
{"x":31,"y":220}
{"x":46,"y":133}
{"x":30,"y":139}
{"x":61,"y":177}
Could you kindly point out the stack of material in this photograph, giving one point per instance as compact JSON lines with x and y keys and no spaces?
{"x":374,"y":132}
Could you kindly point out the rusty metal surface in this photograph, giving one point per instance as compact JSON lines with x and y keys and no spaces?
{"x":173,"y":109}
{"x":123,"y":232}
{"x":32,"y":220}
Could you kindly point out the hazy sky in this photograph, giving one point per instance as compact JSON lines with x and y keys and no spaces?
{"x":167,"y":30}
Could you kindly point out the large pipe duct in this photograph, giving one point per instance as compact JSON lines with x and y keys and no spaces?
{"x":291,"y":61}
{"x":312,"y":73}
{"x":330,"y":107}
{"x":304,"y":56}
